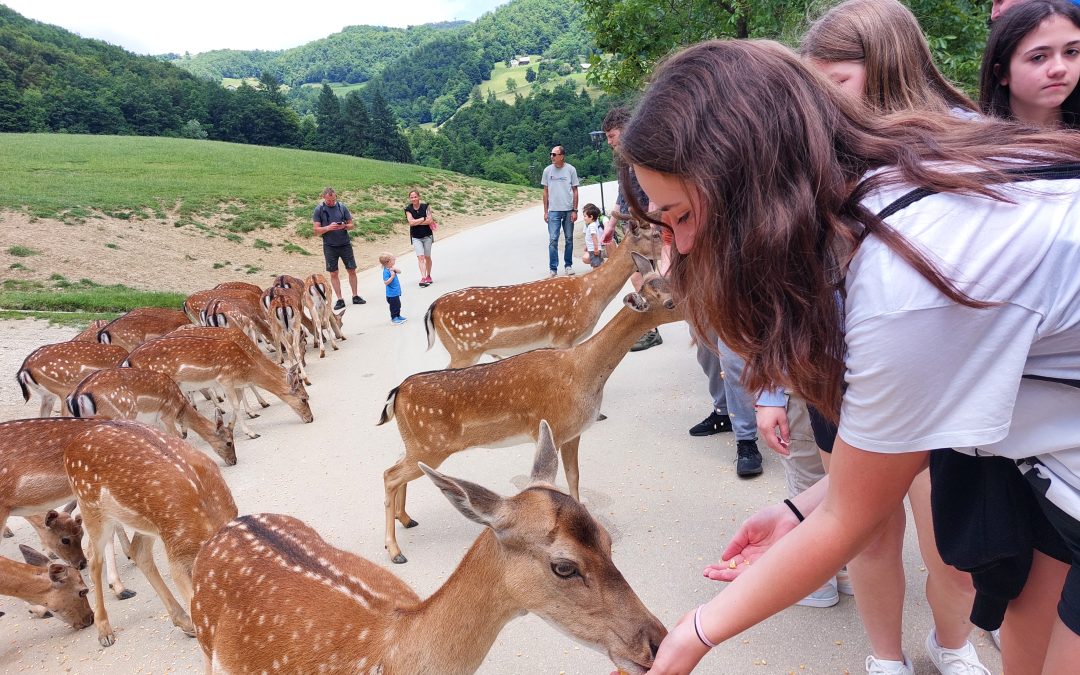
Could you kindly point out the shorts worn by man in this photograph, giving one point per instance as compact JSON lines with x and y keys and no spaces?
{"x":332,"y":221}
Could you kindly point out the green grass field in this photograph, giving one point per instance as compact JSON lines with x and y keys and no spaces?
{"x":496,"y":82}
{"x":76,"y":303}
{"x":214,"y":186}
{"x":339,"y":88}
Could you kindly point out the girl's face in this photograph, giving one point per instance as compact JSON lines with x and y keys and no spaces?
{"x":678,"y":203}
{"x":414,"y":197}
{"x":1043,"y":70}
{"x":850,"y":76}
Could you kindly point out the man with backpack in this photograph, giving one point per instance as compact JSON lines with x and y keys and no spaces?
{"x":332,"y":221}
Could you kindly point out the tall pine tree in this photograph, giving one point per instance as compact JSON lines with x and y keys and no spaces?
{"x":328,"y":121}
{"x":355,"y":126}
{"x":386,"y":140}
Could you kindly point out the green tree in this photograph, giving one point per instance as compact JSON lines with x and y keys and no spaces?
{"x":355,"y":126}
{"x":511,"y":85}
{"x":328,"y":121}
{"x":530,"y":75}
{"x":192,"y":129}
{"x":386,"y":140}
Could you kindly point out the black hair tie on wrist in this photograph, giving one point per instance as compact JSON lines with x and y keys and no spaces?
{"x":795,"y":510}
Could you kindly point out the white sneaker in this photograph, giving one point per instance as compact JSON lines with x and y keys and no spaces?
{"x":569,"y":271}
{"x":843,"y":582}
{"x":961,"y":661}
{"x":826,"y":596}
{"x":876,"y":666}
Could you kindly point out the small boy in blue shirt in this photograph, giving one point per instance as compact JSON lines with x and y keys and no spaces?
{"x":393,"y":287}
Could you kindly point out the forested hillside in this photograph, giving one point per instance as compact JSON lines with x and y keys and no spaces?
{"x":430,"y":82}
{"x":356,"y":54}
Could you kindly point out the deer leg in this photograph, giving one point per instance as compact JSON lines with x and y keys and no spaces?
{"x":142,"y":553}
{"x":399,"y":508}
{"x":172,"y":425}
{"x":234,"y":403}
{"x":100,"y":534}
{"x":112,"y":570}
{"x":298,"y":351}
{"x":255,"y":392}
{"x":394,"y":479}
{"x":244,"y":403}
{"x":46,"y":409}
{"x":569,"y":452}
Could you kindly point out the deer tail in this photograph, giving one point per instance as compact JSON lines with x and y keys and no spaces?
{"x":429,"y":325}
{"x":388,"y":409}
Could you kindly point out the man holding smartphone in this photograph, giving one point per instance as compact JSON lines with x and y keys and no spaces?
{"x":332,"y":221}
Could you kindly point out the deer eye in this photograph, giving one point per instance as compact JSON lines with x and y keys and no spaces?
{"x":65,"y":541}
{"x":84,"y":592}
{"x":564,"y":569}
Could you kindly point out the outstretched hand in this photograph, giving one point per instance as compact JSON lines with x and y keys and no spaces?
{"x":755,"y":536}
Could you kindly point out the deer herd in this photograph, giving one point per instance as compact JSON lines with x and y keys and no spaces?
{"x":265,"y":592}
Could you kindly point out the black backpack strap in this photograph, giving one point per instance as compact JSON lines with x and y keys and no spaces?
{"x":1066,"y":171}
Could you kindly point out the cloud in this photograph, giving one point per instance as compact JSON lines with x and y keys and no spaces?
{"x":201,"y":25}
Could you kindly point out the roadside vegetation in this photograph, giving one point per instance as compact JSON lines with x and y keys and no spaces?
{"x":76,"y":303}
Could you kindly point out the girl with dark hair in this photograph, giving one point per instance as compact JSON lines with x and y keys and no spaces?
{"x":1032,"y":63}
{"x":954,"y":245}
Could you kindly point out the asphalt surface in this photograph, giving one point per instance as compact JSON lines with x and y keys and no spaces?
{"x":670,"y":501}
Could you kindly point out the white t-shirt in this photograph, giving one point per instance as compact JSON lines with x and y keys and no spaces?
{"x":925,"y":373}
{"x":591,"y":230}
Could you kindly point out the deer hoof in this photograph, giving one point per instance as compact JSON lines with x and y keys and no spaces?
{"x":183,"y":434}
{"x":411,"y":523}
{"x":8,"y":534}
{"x":252,"y":415}
{"x":265,"y":405}
{"x":107,"y":639}
{"x":125,"y":594}
{"x":399,"y":559}
{"x":601,"y":417}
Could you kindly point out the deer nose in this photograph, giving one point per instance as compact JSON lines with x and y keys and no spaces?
{"x":82,"y":564}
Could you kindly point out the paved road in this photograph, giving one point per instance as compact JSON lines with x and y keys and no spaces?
{"x":670,"y":501}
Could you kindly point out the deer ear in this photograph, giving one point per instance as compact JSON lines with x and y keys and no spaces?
{"x":33,"y":557}
{"x":57,"y":573}
{"x":636,"y":302}
{"x":546,"y":462}
{"x":50,"y":518}
{"x":476,"y":503}
{"x":643,"y":264}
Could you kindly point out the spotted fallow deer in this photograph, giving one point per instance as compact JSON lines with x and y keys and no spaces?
{"x":197,"y":362}
{"x":271,"y":580}
{"x":243,"y":285}
{"x":286,"y":309}
{"x":57,"y":587}
{"x":89,"y":334}
{"x":242,"y":340}
{"x":128,"y":474}
{"x":500,"y":404}
{"x":133,"y":393}
{"x":197,"y":301}
{"x":139,"y":325}
{"x":52,"y":371}
{"x":323,"y":316}
{"x":32,"y":481}
{"x":556,"y":312}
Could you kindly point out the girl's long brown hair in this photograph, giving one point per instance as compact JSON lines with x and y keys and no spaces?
{"x":776,"y":157}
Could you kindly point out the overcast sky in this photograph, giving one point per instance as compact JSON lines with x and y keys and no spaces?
{"x":148,"y":27}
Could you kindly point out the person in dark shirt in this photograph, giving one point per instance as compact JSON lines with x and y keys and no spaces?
{"x":422,"y":232}
{"x":332,"y":221}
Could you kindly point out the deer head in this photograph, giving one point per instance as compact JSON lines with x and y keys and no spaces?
{"x":655,"y":293}
{"x":297,"y":397}
{"x":63,"y":535}
{"x":558,"y":561}
{"x":224,"y":444}
{"x":66,"y":594}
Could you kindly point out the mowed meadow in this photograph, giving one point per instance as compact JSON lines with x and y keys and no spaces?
{"x":97,"y":223}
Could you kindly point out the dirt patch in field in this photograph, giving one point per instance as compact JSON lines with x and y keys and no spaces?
{"x":180,"y":256}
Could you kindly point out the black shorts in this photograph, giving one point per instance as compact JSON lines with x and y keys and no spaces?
{"x":333,"y":253}
{"x":989,"y":521}
{"x":824,"y":430}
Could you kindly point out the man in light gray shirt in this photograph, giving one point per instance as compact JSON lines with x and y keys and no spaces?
{"x":560,"y":183}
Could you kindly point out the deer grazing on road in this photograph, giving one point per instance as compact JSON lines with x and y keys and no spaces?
{"x":558,"y":312}
{"x":323,"y":316}
{"x":57,"y":587}
{"x":237,"y":313}
{"x":128,"y":474}
{"x":271,"y":580}
{"x":52,"y":371}
{"x":139,"y":325}
{"x":199,"y":362}
{"x":32,"y":481}
{"x":132,"y":393}
{"x":499,"y":404}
